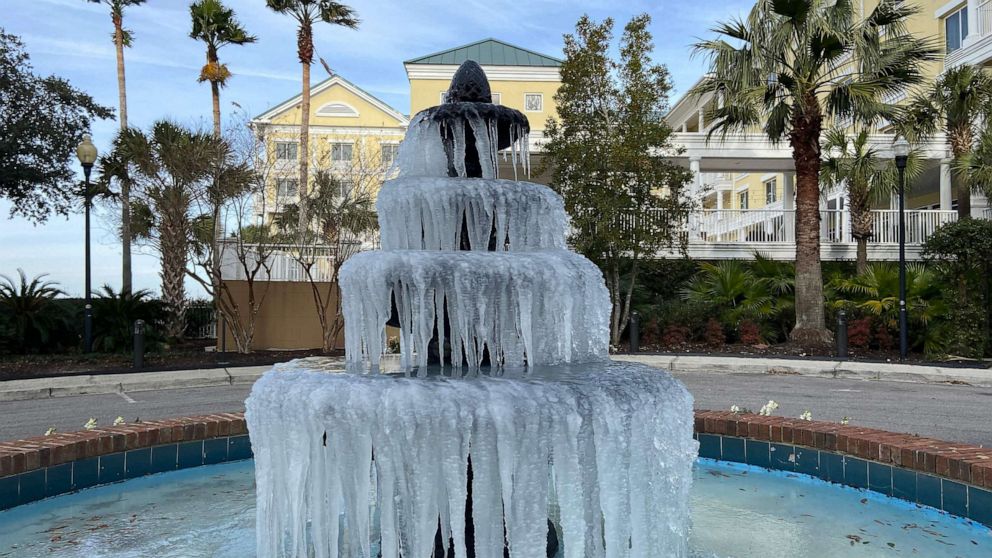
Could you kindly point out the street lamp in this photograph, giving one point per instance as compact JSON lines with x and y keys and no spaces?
{"x":86,"y":153}
{"x":901,"y":150}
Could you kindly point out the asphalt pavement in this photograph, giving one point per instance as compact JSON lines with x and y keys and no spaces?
{"x":951,"y":412}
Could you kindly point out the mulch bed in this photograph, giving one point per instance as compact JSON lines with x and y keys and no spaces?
{"x":189,"y":356}
{"x":789,"y":350}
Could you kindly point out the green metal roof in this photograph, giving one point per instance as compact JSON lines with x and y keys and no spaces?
{"x":488,"y":52}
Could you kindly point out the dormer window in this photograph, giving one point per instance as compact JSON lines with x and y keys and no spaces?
{"x":338,"y":110}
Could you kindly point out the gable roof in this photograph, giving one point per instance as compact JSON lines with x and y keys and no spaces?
{"x":488,"y":52}
{"x":327,"y":84}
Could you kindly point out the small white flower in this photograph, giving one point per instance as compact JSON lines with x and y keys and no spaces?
{"x":50,"y":431}
{"x":845,"y":420}
{"x":768,"y":408}
{"x":90,"y":424}
{"x":118,"y":421}
{"x":807,"y":415}
{"x":735,"y":409}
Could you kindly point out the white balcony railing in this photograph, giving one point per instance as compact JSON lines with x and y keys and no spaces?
{"x":286,"y":262}
{"x":985,"y":17}
{"x":777,"y":225}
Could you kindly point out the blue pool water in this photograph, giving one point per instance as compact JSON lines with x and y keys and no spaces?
{"x":738,"y":512}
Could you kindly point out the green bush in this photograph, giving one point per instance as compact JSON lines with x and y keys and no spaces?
{"x":31,"y":320}
{"x":114,"y":314}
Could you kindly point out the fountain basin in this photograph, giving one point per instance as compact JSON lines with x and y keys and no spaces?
{"x":737,"y":511}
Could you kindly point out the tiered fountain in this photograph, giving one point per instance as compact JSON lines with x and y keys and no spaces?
{"x":522,"y":422}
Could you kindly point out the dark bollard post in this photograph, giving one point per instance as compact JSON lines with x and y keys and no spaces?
{"x":635,"y":332}
{"x":139,"y":343}
{"x":842,"y":335}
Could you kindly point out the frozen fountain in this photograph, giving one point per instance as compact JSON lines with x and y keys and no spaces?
{"x":506,"y":414}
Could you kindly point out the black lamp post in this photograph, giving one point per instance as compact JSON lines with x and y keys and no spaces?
{"x":901,"y":151}
{"x":86,"y":153}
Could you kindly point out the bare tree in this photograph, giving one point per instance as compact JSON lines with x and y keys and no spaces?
{"x":341,"y":221}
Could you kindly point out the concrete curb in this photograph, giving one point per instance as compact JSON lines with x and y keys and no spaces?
{"x":879,"y":371}
{"x":44,"y":388}
{"x":64,"y":386}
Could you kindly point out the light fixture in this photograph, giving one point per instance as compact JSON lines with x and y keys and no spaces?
{"x":901,"y":147}
{"x":86,"y":152}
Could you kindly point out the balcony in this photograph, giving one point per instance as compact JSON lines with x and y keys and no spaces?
{"x":738,"y":233}
{"x":977,"y":46}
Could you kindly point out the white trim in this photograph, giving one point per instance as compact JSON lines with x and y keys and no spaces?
{"x":352,"y":114}
{"x":316,"y":129}
{"x":327,"y":84}
{"x":541,"y":95}
{"x":494,"y":73}
{"x":949,"y":8}
{"x":769,"y":176}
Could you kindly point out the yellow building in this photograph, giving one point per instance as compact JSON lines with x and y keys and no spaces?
{"x":356,"y":136}
{"x":353,"y":134}
{"x":963,"y":28}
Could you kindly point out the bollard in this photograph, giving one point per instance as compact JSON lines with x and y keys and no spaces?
{"x":842,"y":335}
{"x":139,"y":344}
{"x":635,"y":332}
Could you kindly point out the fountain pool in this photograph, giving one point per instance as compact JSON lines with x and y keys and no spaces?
{"x":737,"y":511}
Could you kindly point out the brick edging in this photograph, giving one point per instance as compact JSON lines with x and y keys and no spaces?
{"x":956,"y":461}
{"x":961,"y":462}
{"x":29,"y":454}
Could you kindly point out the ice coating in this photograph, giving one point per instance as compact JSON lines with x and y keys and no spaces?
{"x":422,"y":152}
{"x":427,"y":214}
{"x":532,"y":308}
{"x":606,"y":450}
{"x":368,"y":465}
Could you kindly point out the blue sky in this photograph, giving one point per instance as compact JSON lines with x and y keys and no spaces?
{"x":71,"y":38}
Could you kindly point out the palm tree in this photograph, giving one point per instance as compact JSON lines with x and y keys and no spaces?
{"x":785,"y":68}
{"x":306,"y":13}
{"x":216,"y":26}
{"x":957,"y":103}
{"x":122,"y":38}
{"x":174,"y":166}
{"x":854,"y":163}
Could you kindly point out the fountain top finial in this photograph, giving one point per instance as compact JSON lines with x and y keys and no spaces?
{"x":469,"y":85}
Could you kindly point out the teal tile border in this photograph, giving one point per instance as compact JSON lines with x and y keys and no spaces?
{"x":64,"y":478}
{"x":955,"y":498}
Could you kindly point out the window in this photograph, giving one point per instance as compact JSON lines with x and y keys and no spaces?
{"x":533,"y":102}
{"x":771,"y":191}
{"x":337,"y":109}
{"x":956,"y":29}
{"x":497,"y":98}
{"x":389,"y":152}
{"x":742,"y":198}
{"x":286,"y":150}
{"x":443,"y":97}
{"x":286,"y":187}
{"x":345,"y":187}
{"x":341,"y":152}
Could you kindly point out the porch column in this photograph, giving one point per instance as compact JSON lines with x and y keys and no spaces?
{"x":789,"y":204}
{"x":973,"y":23}
{"x":702,"y":122}
{"x":946,"y":191}
{"x":719,"y":199}
{"x":697,"y":177}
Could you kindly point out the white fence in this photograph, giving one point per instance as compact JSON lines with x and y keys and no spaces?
{"x":287,"y":262}
{"x":984,"y":17}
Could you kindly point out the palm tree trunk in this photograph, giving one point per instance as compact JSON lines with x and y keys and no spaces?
{"x":862,"y":260}
{"x":810,"y":326}
{"x":304,"y":147}
{"x":961,"y":144}
{"x":173,"y":247}
{"x":215,"y":272}
{"x":125,"y":187}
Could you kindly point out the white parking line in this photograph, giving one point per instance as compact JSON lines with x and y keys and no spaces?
{"x":126,"y":397}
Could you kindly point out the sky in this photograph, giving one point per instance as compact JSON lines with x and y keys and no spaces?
{"x":72,"y":39}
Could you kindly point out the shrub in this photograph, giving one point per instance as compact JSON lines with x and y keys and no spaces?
{"x":651,"y":333}
{"x":714,"y":334}
{"x":859,"y":332}
{"x":33,"y":321}
{"x":676,"y":336}
{"x":749,"y":333}
{"x":114,"y":315}
{"x":884,"y":338}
